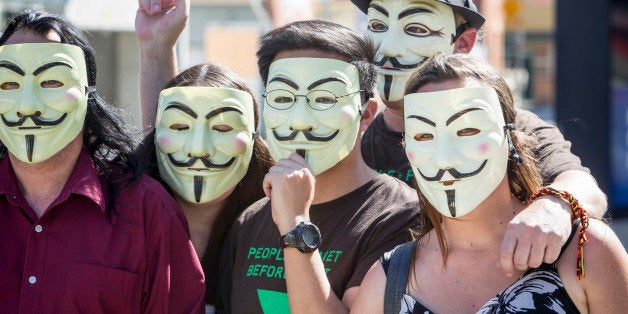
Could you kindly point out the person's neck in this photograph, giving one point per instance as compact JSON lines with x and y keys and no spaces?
{"x":484,"y":227}
{"x":346,"y":176}
{"x":42,"y":182}
{"x":393,"y":116}
{"x":201,"y":219}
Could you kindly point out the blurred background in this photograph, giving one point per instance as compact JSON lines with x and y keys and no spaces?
{"x":566,"y":60}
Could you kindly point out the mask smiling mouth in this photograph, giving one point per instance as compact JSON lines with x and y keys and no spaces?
{"x":209,"y":165}
{"x":36,"y":120}
{"x":386,"y":62}
{"x":308,"y":135}
{"x":457,"y":175}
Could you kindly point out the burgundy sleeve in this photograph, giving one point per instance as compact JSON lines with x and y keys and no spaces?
{"x":552,"y":150}
{"x":174,"y":280}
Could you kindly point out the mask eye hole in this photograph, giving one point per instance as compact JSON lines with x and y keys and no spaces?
{"x":468,"y":132}
{"x":51,"y":84}
{"x":377,"y":26}
{"x":423,"y":137}
{"x":223,"y":128}
{"x":179,"y":127}
{"x":418,"y":30}
{"x":9,"y":85}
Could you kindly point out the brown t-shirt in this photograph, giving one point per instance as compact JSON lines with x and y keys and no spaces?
{"x":383,"y":150}
{"x":356,"y":228}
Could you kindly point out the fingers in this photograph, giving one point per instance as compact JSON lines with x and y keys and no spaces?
{"x":509,"y":243}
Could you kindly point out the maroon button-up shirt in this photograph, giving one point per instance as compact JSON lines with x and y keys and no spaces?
{"x":73,"y":260}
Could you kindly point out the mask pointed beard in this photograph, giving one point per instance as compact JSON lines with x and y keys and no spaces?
{"x":30,"y":146}
{"x":301,"y":152}
{"x":451,"y":201}
{"x":198,"y":188}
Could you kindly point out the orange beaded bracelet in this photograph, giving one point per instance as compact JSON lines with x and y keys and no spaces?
{"x":577,"y":212}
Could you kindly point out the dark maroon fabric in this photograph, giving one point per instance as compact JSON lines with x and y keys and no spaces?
{"x":73,"y":260}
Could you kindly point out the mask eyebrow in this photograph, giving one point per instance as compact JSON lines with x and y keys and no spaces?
{"x":325,"y":80}
{"x":182,"y":107}
{"x":423,"y":119}
{"x":50,"y":65}
{"x":12,"y":66}
{"x":412,"y":11}
{"x":379,"y":9}
{"x":285,"y":81}
{"x":218,"y":111}
{"x":459,"y":114}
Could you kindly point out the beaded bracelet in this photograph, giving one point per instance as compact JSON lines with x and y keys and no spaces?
{"x":577,"y":212}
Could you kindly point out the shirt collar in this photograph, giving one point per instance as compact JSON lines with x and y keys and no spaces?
{"x":84,"y":180}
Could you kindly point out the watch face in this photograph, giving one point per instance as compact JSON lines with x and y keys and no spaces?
{"x":311,"y":236}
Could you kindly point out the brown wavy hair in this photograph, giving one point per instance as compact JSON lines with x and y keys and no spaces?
{"x":523,"y":179}
{"x":247,"y":191}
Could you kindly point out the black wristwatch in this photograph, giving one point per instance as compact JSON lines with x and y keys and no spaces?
{"x":306,"y":237}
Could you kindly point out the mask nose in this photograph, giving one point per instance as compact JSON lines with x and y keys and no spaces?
{"x":302,"y":116}
{"x":199,"y":145}
{"x":391,"y":43}
{"x":29,"y":103}
{"x":445,"y":155}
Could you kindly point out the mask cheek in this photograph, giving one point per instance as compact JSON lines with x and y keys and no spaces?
{"x":234,"y":144}
{"x":419,"y":154}
{"x":481,"y":148}
{"x":273,"y":118}
{"x":168,"y":142}
{"x":338,"y":119}
{"x":7,"y":102}
{"x":63,"y":100}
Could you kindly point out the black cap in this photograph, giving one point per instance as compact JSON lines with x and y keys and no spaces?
{"x":466,"y":8}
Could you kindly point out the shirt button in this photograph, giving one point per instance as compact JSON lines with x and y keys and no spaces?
{"x":32,"y":279}
{"x":38,"y":228}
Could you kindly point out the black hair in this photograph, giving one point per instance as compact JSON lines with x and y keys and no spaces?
{"x":104,"y":136}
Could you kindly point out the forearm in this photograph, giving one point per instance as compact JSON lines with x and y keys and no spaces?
{"x":584,"y":188}
{"x":158,"y":65}
{"x":308,"y":288}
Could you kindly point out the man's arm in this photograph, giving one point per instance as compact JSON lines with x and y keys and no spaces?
{"x":158,"y":24}
{"x":290,"y":187}
{"x":538,"y":233}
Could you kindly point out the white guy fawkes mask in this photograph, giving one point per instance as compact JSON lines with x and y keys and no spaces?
{"x":456,"y":144}
{"x":204,"y":139}
{"x":43,"y":98}
{"x":405,"y":33}
{"x":312,"y":107}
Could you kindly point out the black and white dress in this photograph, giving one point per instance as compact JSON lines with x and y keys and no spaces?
{"x":539,"y":290}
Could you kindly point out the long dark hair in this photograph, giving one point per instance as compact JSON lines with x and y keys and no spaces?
{"x":247,"y":191}
{"x":105,"y":136}
{"x":523,"y":178}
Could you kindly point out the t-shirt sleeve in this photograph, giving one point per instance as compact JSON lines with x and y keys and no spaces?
{"x":392,"y":229}
{"x":552,"y":150}
{"x":174,"y":278}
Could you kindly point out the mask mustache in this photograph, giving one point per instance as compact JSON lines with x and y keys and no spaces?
{"x":36,"y":120}
{"x":204,"y":160}
{"x":395,"y":62}
{"x":308,"y":135}
{"x":453,"y":172}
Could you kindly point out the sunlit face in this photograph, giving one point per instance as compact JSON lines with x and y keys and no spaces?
{"x":43,"y":98}
{"x":204,"y":140}
{"x":456,"y":144}
{"x":312,"y":108}
{"x":405,"y":33}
